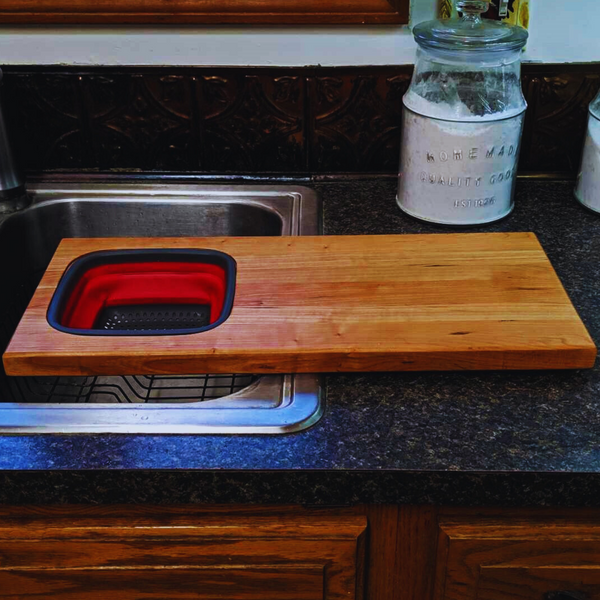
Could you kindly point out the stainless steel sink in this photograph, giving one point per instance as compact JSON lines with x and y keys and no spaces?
{"x":197,"y":403}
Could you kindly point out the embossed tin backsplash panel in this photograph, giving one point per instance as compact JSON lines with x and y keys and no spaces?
{"x":258,"y":121}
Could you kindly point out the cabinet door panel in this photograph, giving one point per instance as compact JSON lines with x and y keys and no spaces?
{"x":517,"y":556}
{"x":535,"y":583}
{"x":198,"y":551}
{"x":112,"y":554}
{"x":153,"y":584}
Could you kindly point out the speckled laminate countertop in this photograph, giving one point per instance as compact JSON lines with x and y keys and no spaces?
{"x":455,"y":438}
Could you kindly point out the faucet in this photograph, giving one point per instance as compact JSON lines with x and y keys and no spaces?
{"x":12,"y":185}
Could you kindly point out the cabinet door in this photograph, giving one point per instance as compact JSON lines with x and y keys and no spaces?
{"x":112,"y":555}
{"x":518,"y":556}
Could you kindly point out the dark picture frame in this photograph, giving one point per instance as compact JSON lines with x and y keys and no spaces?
{"x":204,"y":11}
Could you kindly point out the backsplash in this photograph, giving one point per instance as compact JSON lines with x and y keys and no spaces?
{"x":279,"y":121}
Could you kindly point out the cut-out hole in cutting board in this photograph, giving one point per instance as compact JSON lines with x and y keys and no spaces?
{"x":144,"y":292}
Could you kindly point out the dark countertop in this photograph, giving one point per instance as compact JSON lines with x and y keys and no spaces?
{"x":455,"y":438}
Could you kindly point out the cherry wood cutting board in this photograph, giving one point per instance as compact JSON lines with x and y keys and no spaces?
{"x":338,"y":303}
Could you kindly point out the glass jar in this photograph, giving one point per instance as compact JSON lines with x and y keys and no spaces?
{"x":587,"y":190}
{"x":462,"y":119}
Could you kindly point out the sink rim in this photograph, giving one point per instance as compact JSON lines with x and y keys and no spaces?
{"x":292,"y":403}
{"x":301,"y":406}
{"x":303,"y":217}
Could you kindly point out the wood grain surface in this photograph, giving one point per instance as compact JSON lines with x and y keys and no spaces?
{"x":402,"y":551}
{"x":338,"y":303}
{"x":204,"y":11}
{"x":298,"y":553}
{"x":97,"y":553}
{"x":522,"y":556}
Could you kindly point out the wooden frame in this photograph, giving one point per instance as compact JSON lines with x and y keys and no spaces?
{"x":204,"y":11}
{"x":180,"y":553}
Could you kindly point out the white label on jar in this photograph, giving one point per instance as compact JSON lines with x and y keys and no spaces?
{"x":458,"y":172}
{"x":588,"y":184}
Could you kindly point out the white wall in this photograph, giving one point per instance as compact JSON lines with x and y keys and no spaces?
{"x":564,"y":31}
{"x":561,"y":31}
{"x":208,"y":46}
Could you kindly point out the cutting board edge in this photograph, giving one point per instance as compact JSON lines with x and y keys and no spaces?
{"x":576,"y":357}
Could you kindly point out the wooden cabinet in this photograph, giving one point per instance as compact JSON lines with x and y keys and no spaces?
{"x":134,"y":554}
{"x":525,"y":555}
{"x":204,"y":11}
{"x":293,"y":553}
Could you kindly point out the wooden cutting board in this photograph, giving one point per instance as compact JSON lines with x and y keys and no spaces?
{"x":339,"y":303}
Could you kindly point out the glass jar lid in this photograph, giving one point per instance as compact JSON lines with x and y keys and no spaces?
{"x":471,"y":33}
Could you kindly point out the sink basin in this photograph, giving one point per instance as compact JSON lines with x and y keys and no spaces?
{"x":195,"y":403}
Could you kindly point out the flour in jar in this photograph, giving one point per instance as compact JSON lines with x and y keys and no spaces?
{"x":457,"y":172}
{"x":588,"y":184}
